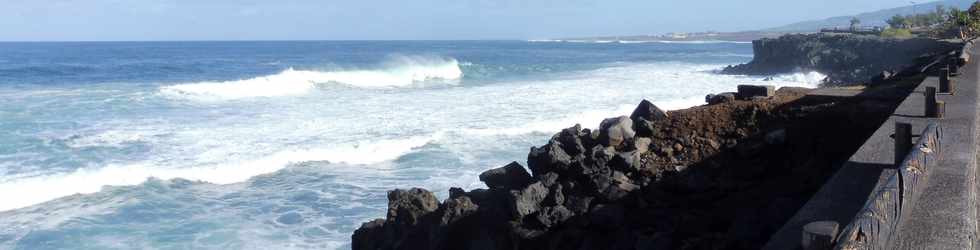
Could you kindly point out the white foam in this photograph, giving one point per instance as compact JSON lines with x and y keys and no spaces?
{"x":91,"y":180}
{"x":401,"y":71}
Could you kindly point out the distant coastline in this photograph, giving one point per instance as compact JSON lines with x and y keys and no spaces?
{"x":697,"y":37}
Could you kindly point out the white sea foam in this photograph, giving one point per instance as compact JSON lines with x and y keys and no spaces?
{"x":237,"y":148}
{"x":402,"y":71}
{"x":90,"y":180}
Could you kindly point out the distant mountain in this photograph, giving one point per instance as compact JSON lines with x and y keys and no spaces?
{"x":876,"y":18}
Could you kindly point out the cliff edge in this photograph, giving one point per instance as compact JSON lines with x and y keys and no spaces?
{"x":845,"y":59}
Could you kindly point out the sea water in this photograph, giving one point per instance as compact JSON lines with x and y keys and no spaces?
{"x":292,"y":145}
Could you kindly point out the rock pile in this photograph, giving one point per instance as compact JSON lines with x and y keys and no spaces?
{"x":710,"y":177}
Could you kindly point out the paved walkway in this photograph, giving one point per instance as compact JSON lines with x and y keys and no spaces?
{"x":945,"y":215}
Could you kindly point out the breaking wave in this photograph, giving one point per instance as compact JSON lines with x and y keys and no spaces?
{"x":401,"y":71}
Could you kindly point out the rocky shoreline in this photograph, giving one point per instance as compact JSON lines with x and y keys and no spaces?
{"x":719,"y":176}
{"x":845,"y":59}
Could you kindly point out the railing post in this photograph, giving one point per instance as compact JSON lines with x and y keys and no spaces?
{"x":903,"y":141}
{"x":940,"y":109}
{"x":954,"y":69}
{"x":820,"y":235}
{"x":945,"y":84}
{"x":930,"y":102}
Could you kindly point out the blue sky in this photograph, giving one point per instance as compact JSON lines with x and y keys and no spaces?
{"x":54,"y":20}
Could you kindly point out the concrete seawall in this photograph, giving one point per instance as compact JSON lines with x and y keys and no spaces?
{"x":944,"y":215}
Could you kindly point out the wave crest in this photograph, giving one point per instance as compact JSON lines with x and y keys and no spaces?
{"x":401,"y":71}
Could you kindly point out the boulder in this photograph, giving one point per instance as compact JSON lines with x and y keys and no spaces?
{"x":528,"y":200}
{"x":407,"y":207}
{"x":570,"y":141}
{"x":371,"y":235}
{"x":552,"y":216}
{"x":614,"y":131}
{"x":648,"y":111}
{"x":512,"y":176}
{"x":620,"y":186}
{"x":720,"y":98}
{"x":641,"y":145}
{"x":549,"y":158}
{"x":456,"y":209}
{"x":746,"y":92}
{"x":644,"y":128}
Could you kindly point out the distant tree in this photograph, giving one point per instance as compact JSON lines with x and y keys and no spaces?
{"x":897,"y":21}
{"x":855,"y":22}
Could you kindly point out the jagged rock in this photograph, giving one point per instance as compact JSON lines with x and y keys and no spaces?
{"x":625,"y":161}
{"x":641,"y":145}
{"x":720,"y":98}
{"x":570,"y":140}
{"x":556,"y":197}
{"x":550,"y":157}
{"x":456,"y":209}
{"x":371,"y":235}
{"x":648,"y":111}
{"x":455,"y":192}
{"x":407,"y":207}
{"x":620,"y":186}
{"x":644,"y":128}
{"x":614,"y":131}
{"x":601,"y":156}
{"x":844,"y":59}
{"x":549,"y":179}
{"x":512,"y":176}
{"x":551,"y":216}
{"x":528,"y":200}
{"x":578,"y":204}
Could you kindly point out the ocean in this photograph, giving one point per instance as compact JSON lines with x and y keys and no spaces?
{"x":292,"y":145}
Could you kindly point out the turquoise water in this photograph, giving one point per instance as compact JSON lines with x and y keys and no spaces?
{"x":291,"y":145}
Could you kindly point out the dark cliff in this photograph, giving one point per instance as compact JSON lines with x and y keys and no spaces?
{"x":845,"y":59}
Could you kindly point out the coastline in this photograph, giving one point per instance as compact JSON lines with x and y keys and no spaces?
{"x":645,"y":180}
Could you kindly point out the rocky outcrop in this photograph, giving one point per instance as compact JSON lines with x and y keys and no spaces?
{"x":845,"y":59}
{"x":711,"y":177}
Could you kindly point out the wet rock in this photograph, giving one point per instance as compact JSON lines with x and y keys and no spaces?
{"x":649,"y":112}
{"x":512,"y":176}
{"x":614,"y":131}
